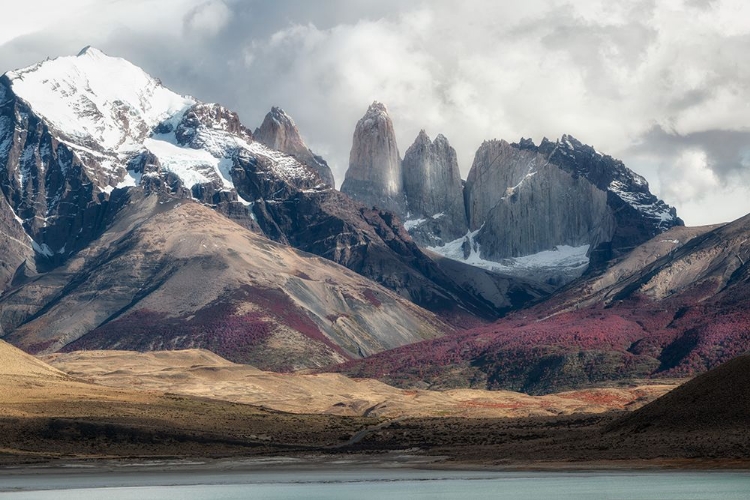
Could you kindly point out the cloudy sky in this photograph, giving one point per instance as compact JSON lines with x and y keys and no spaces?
{"x":663,"y":85}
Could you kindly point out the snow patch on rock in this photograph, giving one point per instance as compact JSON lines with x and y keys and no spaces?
{"x":192,"y":166}
{"x":642,"y":202}
{"x":562,"y":260}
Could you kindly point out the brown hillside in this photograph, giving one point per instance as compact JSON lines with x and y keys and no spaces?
{"x":16,"y":363}
{"x":171,"y":275}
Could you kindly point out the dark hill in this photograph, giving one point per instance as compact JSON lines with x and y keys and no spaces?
{"x":718,"y":400}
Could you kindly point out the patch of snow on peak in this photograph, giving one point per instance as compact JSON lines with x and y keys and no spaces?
{"x":209,"y":156}
{"x":192,"y":166}
{"x":282,"y":164}
{"x":511,"y":190}
{"x":42,"y":249}
{"x":643,"y":202}
{"x":131,"y":179}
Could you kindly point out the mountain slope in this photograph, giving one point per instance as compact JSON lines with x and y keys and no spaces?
{"x":203,"y":374}
{"x":172,"y":274}
{"x":16,"y":363}
{"x":674,"y":307}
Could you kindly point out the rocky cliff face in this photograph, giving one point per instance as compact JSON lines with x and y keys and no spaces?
{"x":638,"y":214}
{"x":522,"y":199}
{"x":434,"y":191}
{"x":375,"y":176}
{"x":280,"y":133}
{"x":16,"y":252}
{"x":561,"y":206}
{"x":522,"y":204}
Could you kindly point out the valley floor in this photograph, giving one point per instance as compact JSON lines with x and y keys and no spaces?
{"x":192,"y":431}
{"x":78,"y":424}
{"x":49,"y":417}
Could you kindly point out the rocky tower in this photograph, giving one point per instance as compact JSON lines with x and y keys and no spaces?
{"x":279,"y":132}
{"x":374,"y":176}
{"x":434,"y":192}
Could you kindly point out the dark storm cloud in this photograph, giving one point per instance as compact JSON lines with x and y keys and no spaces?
{"x":727,"y":151}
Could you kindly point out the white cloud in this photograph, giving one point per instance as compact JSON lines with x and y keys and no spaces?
{"x":22,"y":18}
{"x":208,"y":18}
{"x":689,"y":177}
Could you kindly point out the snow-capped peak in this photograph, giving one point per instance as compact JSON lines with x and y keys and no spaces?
{"x":101,"y":102}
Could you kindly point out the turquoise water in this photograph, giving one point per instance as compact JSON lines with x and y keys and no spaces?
{"x":379,"y":484}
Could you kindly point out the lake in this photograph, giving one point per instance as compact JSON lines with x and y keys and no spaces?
{"x":365,"y":484}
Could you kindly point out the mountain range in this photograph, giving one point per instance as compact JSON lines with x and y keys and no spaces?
{"x":90,"y":172}
{"x":519,"y":200}
{"x":135,"y":218}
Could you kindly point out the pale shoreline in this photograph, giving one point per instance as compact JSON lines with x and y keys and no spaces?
{"x":359,"y":461}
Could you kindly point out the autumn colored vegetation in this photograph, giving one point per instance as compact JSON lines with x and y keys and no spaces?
{"x":219,"y":327}
{"x":593,"y":346}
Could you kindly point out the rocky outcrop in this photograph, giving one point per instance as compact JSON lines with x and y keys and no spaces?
{"x":518,"y":200}
{"x":523,"y":199}
{"x":16,"y":252}
{"x":434,"y":191}
{"x":638,"y":214}
{"x":279,"y":132}
{"x":374,"y":176}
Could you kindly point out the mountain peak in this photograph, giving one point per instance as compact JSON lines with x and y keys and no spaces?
{"x":423,"y":137}
{"x":375,"y":175}
{"x":277,"y":112}
{"x":90,"y":51}
{"x":376,"y":108}
{"x":440,"y":139}
{"x":95,"y":100}
{"x":278,"y":131}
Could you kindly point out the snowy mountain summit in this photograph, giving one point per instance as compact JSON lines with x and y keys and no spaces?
{"x":75,"y":129}
{"x":103,"y":103}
